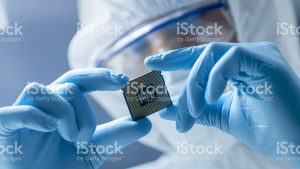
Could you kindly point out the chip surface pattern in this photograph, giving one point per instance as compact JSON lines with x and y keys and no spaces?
{"x":146,"y":95}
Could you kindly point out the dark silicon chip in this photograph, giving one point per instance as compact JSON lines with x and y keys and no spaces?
{"x":146,"y":95}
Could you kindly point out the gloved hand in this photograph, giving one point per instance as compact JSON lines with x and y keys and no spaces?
{"x":54,"y":127}
{"x":264,"y":109}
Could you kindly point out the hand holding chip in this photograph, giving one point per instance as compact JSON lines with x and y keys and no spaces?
{"x":259,"y":118}
{"x":52,"y":122}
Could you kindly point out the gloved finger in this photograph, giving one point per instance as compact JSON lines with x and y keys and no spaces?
{"x":94,"y":79}
{"x":184,"y":121}
{"x":85,"y":118}
{"x":172,"y":113}
{"x":42,"y":98}
{"x":88,"y":80}
{"x":198,"y":77}
{"x":179,"y":59}
{"x":169,"y":113}
{"x":122,"y":131}
{"x":240,"y":58}
{"x":17,"y":117}
{"x":118,"y":134}
{"x":217,"y":114}
{"x":237,"y":59}
{"x":227,"y":67}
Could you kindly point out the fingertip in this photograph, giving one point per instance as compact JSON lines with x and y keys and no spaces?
{"x":119,"y":78}
{"x":179,"y":124}
{"x":86,"y":134}
{"x":144,"y":126}
{"x":71,"y":138}
{"x":184,"y":122}
{"x":125,"y":131}
{"x":169,"y":113}
{"x":208,"y":98}
{"x":72,"y":135}
{"x":195,"y":115}
{"x":211,"y":97}
{"x":51,"y":124}
{"x":149,"y":61}
{"x":180,"y":128}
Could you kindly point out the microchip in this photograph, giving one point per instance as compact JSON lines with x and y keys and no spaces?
{"x":146,"y":95}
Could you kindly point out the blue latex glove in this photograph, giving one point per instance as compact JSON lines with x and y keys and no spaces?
{"x":48,"y":123}
{"x":263,"y":119}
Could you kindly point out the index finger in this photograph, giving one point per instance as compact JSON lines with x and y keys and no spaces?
{"x":179,"y":59}
{"x":94,"y":79}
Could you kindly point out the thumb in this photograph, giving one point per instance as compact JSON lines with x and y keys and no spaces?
{"x":217,"y":114}
{"x":124,"y":131}
{"x":117,"y":134}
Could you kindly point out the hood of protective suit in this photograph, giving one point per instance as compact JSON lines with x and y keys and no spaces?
{"x":258,"y":20}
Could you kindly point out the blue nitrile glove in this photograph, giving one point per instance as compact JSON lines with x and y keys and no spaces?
{"x":264,"y":109}
{"x":53,"y":127}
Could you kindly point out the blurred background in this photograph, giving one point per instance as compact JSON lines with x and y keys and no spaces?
{"x":40,"y":55}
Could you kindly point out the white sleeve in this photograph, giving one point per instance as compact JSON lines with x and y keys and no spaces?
{"x":254,"y":23}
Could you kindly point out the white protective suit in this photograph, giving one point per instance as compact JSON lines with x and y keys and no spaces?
{"x":3,"y":16}
{"x":255,"y":20}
